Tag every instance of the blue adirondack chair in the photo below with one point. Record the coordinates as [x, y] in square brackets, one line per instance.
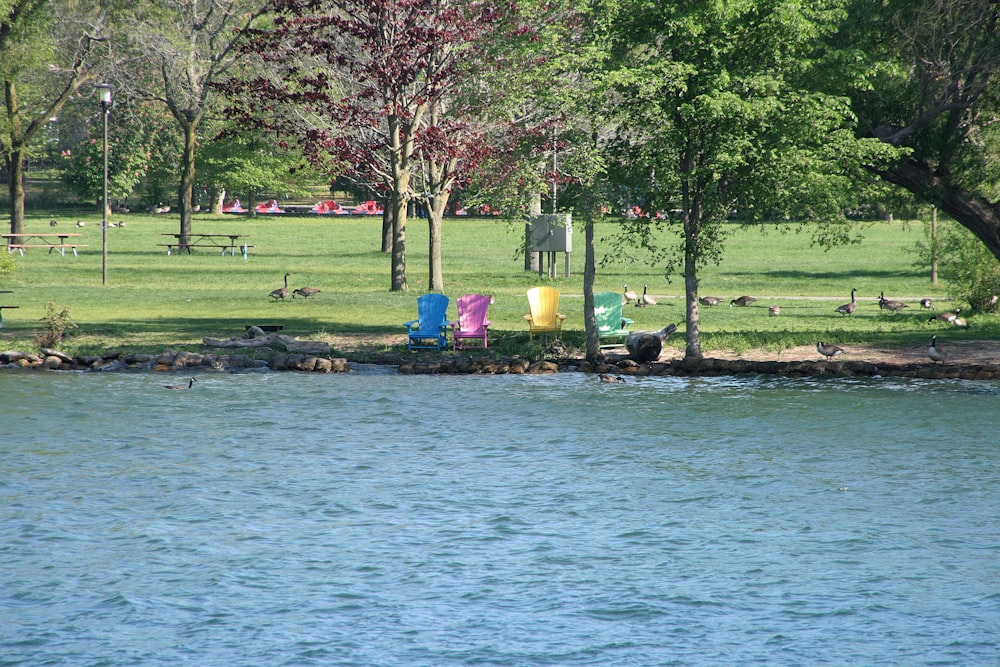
[612, 328]
[430, 330]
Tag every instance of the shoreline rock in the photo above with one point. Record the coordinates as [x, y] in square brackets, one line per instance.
[267, 358]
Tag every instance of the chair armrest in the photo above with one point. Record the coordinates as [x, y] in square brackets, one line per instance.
[626, 322]
[411, 323]
[560, 316]
[528, 317]
[486, 323]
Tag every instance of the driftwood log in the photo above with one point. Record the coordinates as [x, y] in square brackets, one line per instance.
[281, 341]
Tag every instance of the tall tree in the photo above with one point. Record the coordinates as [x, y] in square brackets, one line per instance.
[929, 86]
[190, 45]
[717, 116]
[46, 54]
[371, 88]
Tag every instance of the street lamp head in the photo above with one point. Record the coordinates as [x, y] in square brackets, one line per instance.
[104, 90]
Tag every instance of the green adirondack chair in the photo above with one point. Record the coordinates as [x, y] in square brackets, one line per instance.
[612, 328]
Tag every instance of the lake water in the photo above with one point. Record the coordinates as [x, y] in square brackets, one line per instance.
[375, 519]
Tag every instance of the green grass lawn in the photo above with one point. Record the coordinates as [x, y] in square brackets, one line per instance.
[153, 300]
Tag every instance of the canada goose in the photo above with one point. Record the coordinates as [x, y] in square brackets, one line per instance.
[960, 323]
[828, 351]
[305, 292]
[180, 386]
[848, 308]
[742, 301]
[646, 346]
[927, 303]
[773, 311]
[53, 223]
[610, 379]
[629, 295]
[946, 316]
[934, 352]
[890, 304]
[281, 292]
[81, 223]
[710, 300]
[645, 299]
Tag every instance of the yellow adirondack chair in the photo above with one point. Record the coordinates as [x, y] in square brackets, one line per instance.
[544, 318]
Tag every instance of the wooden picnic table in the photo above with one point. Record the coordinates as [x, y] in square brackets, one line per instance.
[5, 291]
[232, 243]
[51, 240]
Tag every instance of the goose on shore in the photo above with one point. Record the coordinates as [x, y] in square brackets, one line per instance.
[890, 304]
[281, 292]
[645, 299]
[180, 386]
[305, 292]
[646, 346]
[828, 351]
[710, 300]
[946, 316]
[848, 308]
[934, 352]
[629, 295]
[742, 301]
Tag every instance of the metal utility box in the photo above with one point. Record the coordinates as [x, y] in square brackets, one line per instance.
[552, 232]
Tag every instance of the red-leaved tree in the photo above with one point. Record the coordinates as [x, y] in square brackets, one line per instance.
[380, 91]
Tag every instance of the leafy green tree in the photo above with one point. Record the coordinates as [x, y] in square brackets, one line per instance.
[135, 134]
[182, 48]
[47, 50]
[718, 115]
[922, 75]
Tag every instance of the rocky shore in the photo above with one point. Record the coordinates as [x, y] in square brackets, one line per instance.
[320, 361]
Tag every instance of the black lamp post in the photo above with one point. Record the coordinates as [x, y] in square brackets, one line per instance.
[104, 90]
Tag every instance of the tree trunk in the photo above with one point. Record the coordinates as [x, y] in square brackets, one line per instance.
[386, 229]
[589, 272]
[435, 216]
[218, 199]
[976, 214]
[15, 169]
[691, 216]
[398, 244]
[189, 126]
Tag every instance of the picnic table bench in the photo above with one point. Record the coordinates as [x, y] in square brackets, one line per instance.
[53, 241]
[5, 291]
[223, 241]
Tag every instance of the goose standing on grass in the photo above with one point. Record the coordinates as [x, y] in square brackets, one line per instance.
[946, 316]
[710, 300]
[742, 301]
[281, 292]
[180, 386]
[890, 304]
[934, 352]
[927, 303]
[848, 308]
[645, 299]
[305, 292]
[960, 323]
[629, 295]
[828, 351]
[773, 311]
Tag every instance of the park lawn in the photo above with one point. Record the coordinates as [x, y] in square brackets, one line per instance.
[153, 300]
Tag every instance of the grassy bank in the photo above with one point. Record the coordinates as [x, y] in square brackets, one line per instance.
[153, 300]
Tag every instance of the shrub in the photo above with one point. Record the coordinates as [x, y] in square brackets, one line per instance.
[57, 323]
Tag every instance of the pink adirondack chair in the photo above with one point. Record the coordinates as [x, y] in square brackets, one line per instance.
[471, 322]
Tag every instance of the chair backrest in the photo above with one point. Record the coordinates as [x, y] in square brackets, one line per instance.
[472, 311]
[543, 302]
[608, 311]
[432, 311]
